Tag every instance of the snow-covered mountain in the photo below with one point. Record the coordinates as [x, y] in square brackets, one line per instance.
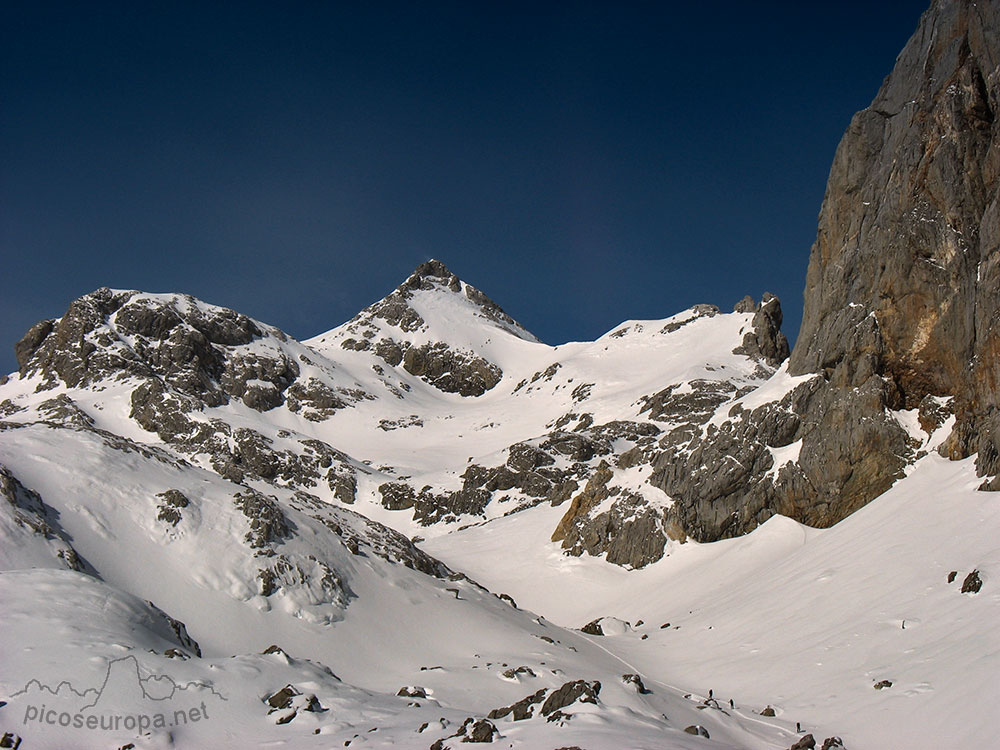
[185, 483]
[425, 527]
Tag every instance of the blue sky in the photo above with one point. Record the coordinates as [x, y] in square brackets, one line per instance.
[582, 163]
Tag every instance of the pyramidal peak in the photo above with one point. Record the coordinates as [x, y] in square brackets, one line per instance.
[432, 297]
[436, 327]
[432, 273]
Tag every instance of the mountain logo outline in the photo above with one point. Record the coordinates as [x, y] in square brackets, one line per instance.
[128, 667]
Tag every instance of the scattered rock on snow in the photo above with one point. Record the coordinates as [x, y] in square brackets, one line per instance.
[412, 691]
[511, 674]
[578, 690]
[509, 599]
[882, 684]
[697, 729]
[808, 742]
[972, 583]
[636, 680]
[472, 730]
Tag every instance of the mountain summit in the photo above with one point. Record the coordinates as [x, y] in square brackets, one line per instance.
[436, 327]
[454, 296]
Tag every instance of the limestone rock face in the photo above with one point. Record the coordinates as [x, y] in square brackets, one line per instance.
[765, 341]
[31, 528]
[902, 308]
[902, 295]
[197, 350]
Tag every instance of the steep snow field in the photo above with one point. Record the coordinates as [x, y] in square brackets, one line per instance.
[633, 360]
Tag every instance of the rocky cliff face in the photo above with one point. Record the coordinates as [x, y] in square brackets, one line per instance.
[903, 286]
[901, 307]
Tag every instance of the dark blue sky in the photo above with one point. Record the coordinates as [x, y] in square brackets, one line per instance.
[582, 163]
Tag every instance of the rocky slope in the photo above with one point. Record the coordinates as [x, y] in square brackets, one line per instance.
[368, 413]
[156, 448]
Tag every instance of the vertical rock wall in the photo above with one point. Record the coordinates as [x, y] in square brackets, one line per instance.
[903, 283]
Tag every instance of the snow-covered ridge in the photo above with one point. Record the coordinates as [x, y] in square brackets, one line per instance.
[414, 409]
[264, 491]
[231, 462]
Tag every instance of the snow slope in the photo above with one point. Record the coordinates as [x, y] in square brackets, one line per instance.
[241, 490]
[804, 620]
[402, 628]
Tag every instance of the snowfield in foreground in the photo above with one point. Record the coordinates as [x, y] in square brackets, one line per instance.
[807, 621]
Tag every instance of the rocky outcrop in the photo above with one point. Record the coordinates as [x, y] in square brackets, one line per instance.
[430, 507]
[552, 701]
[522, 709]
[972, 584]
[582, 691]
[636, 681]
[630, 531]
[178, 628]
[25, 519]
[450, 370]
[765, 341]
[171, 506]
[472, 730]
[268, 525]
[112, 334]
[184, 354]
